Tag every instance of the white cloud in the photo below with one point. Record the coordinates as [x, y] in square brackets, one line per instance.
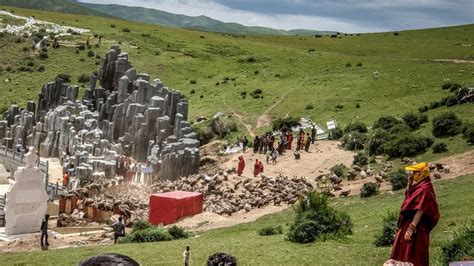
[248, 18]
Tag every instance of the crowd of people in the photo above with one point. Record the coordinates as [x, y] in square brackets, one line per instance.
[275, 144]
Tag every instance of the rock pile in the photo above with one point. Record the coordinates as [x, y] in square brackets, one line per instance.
[223, 196]
[125, 114]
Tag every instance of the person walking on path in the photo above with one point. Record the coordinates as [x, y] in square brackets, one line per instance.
[419, 214]
[307, 143]
[119, 229]
[240, 166]
[44, 231]
[313, 134]
[245, 142]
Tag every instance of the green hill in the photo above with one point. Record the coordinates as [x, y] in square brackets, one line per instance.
[204, 23]
[65, 6]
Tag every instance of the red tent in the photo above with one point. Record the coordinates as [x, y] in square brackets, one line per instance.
[167, 208]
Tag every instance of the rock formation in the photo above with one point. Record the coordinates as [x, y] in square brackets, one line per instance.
[122, 113]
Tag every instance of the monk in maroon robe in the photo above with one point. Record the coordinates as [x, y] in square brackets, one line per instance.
[419, 214]
[256, 168]
[241, 166]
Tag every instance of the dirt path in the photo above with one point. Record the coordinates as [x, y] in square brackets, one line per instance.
[247, 126]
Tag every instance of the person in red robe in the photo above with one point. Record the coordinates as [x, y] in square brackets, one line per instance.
[65, 179]
[256, 168]
[241, 166]
[260, 167]
[290, 140]
[419, 214]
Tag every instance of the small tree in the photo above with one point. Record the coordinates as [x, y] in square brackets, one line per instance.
[439, 147]
[389, 230]
[369, 189]
[398, 179]
[356, 126]
[386, 122]
[361, 159]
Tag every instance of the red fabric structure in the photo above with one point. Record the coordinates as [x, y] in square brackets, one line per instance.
[167, 208]
[420, 196]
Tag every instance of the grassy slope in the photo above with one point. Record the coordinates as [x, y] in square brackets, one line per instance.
[287, 71]
[66, 6]
[454, 197]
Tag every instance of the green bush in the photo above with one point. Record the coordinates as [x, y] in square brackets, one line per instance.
[451, 86]
[360, 159]
[400, 129]
[356, 126]
[389, 229]
[407, 145]
[125, 29]
[398, 179]
[451, 100]
[353, 140]
[446, 124]
[309, 107]
[64, 77]
[178, 232]
[287, 121]
[338, 169]
[315, 219]
[153, 234]
[335, 133]
[193, 81]
[257, 93]
[141, 224]
[369, 189]
[270, 230]
[375, 143]
[204, 132]
[468, 132]
[83, 78]
[414, 120]
[439, 147]
[43, 54]
[90, 53]
[221, 126]
[386, 122]
[460, 247]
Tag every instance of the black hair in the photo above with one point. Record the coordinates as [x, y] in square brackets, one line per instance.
[109, 259]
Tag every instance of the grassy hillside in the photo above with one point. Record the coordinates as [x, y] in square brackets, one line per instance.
[294, 73]
[454, 197]
[204, 23]
[66, 6]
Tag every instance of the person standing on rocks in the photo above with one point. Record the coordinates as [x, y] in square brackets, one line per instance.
[241, 166]
[119, 229]
[44, 231]
[419, 214]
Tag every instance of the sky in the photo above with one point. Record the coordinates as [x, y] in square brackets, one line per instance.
[348, 16]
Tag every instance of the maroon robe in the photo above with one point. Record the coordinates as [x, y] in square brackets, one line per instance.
[420, 196]
[241, 166]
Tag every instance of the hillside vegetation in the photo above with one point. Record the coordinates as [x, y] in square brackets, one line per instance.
[242, 241]
[66, 6]
[347, 78]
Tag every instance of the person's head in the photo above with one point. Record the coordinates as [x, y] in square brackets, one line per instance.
[120, 218]
[187, 248]
[241, 158]
[418, 172]
[109, 259]
[46, 217]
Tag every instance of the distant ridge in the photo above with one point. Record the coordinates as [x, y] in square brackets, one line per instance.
[64, 6]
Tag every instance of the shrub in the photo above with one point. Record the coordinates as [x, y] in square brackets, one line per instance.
[398, 179]
[204, 132]
[451, 100]
[219, 259]
[243, 94]
[439, 147]
[270, 230]
[112, 25]
[222, 126]
[193, 81]
[335, 133]
[468, 132]
[81, 46]
[309, 107]
[369, 189]
[386, 122]
[353, 140]
[356, 126]
[338, 169]
[423, 109]
[400, 129]
[257, 93]
[315, 219]
[83, 78]
[64, 77]
[375, 143]
[43, 54]
[30, 63]
[407, 145]
[141, 224]
[153, 234]
[125, 29]
[192, 91]
[422, 118]
[412, 120]
[289, 121]
[90, 53]
[359, 64]
[41, 68]
[451, 86]
[348, 64]
[178, 232]
[360, 159]
[389, 230]
[460, 247]
[446, 124]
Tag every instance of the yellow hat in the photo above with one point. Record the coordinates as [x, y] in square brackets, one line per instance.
[421, 171]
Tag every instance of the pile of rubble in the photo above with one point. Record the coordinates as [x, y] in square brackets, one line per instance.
[223, 196]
